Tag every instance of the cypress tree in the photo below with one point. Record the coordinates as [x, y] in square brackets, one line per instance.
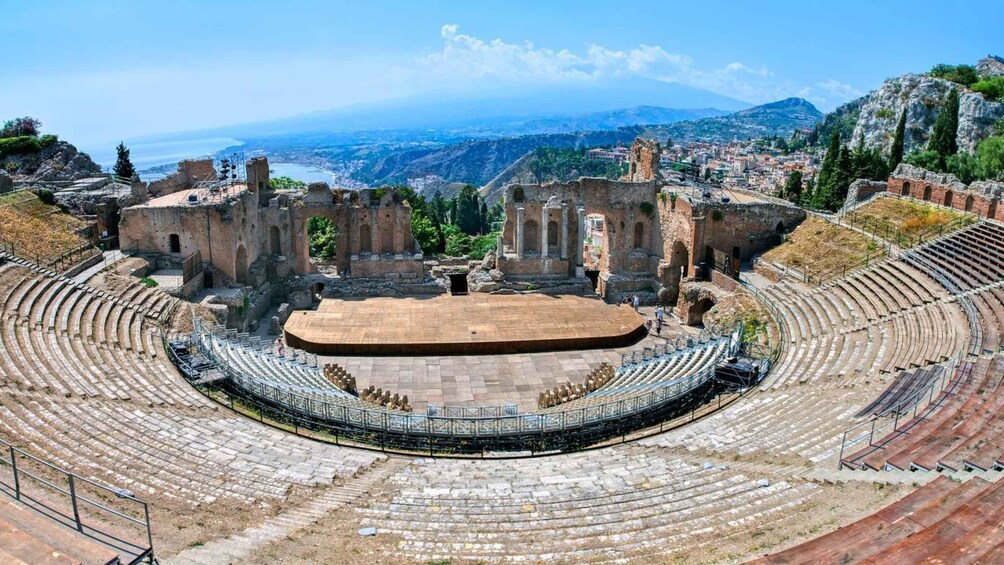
[123, 166]
[945, 129]
[896, 153]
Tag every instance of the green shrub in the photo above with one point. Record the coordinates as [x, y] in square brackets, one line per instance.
[47, 140]
[19, 145]
[884, 114]
[481, 245]
[962, 74]
[991, 87]
[46, 196]
[150, 283]
[646, 208]
[717, 216]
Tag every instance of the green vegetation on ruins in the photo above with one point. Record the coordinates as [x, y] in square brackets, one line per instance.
[818, 246]
[904, 222]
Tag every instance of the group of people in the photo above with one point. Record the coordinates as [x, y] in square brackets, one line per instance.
[660, 313]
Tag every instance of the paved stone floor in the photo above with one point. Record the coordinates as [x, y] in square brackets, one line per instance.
[479, 380]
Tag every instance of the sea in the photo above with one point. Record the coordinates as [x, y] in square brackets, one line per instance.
[155, 160]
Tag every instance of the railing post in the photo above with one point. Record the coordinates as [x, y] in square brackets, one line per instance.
[73, 501]
[149, 532]
[17, 479]
[840, 458]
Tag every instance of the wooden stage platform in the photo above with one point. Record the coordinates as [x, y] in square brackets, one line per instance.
[474, 324]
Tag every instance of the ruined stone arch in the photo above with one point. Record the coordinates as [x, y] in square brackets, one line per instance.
[949, 195]
[680, 256]
[531, 236]
[387, 238]
[174, 243]
[906, 188]
[927, 192]
[969, 203]
[552, 233]
[697, 310]
[639, 235]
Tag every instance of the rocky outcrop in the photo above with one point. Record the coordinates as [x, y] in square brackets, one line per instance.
[923, 98]
[991, 65]
[57, 162]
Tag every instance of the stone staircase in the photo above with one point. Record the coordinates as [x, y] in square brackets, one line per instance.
[235, 548]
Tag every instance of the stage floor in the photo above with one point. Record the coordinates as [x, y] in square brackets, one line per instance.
[462, 325]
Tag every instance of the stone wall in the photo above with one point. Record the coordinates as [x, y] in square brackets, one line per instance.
[861, 189]
[190, 171]
[643, 162]
[981, 198]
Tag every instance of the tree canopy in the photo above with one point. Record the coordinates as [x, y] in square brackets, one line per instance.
[123, 165]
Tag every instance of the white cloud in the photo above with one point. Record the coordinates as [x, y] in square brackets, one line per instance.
[464, 58]
[839, 89]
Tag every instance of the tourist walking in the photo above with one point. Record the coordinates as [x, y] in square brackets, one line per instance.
[635, 301]
[658, 327]
[659, 312]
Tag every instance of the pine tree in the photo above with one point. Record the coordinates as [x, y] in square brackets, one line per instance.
[827, 172]
[793, 186]
[945, 129]
[896, 153]
[123, 166]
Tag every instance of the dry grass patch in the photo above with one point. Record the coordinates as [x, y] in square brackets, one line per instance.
[818, 246]
[38, 231]
[903, 221]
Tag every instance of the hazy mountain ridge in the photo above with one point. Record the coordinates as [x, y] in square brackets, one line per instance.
[478, 162]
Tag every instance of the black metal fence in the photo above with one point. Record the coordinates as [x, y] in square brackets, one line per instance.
[570, 429]
[78, 503]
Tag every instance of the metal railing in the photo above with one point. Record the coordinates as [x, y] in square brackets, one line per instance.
[530, 431]
[905, 412]
[82, 496]
[923, 401]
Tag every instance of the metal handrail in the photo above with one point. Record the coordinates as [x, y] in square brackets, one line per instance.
[375, 419]
[137, 550]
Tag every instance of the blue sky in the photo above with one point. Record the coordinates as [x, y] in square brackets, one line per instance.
[104, 70]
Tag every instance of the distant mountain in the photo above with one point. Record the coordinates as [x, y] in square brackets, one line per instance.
[478, 162]
[776, 118]
[502, 111]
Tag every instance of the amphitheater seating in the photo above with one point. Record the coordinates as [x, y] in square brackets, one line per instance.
[903, 390]
[82, 385]
[964, 433]
[888, 316]
[574, 508]
[972, 261]
[941, 522]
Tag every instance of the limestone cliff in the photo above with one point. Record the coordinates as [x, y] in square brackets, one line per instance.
[58, 162]
[922, 97]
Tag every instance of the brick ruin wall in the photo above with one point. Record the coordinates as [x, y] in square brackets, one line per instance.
[982, 198]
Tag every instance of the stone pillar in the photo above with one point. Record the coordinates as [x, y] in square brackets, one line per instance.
[519, 232]
[563, 242]
[499, 251]
[375, 239]
[543, 233]
[581, 223]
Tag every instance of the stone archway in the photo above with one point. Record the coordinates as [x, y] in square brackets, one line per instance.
[697, 310]
[906, 189]
[927, 192]
[969, 203]
[639, 235]
[949, 196]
